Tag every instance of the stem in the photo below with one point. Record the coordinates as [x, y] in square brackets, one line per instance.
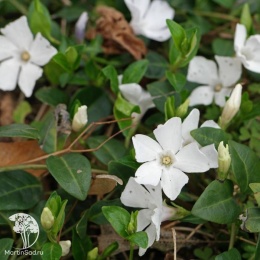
[20, 7]
[131, 254]
[232, 236]
[22, 167]
[216, 15]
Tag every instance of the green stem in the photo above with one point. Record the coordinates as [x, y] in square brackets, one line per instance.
[23, 167]
[216, 15]
[232, 236]
[20, 7]
[131, 254]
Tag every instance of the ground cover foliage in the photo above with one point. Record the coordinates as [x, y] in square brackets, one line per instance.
[130, 129]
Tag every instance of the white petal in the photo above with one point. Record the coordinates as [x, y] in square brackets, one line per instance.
[7, 48]
[137, 8]
[155, 195]
[144, 218]
[149, 173]
[41, 50]
[169, 134]
[202, 95]
[9, 71]
[146, 100]
[212, 155]
[220, 97]
[191, 159]
[203, 71]
[240, 37]
[210, 123]
[135, 195]
[159, 35]
[252, 66]
[80, 26]
[230, 70]
[27, 78]
[156, 219]
[146, 149]
[151, 233]
[131, 92]
[172, 182]
[190, 123]
[19, 33]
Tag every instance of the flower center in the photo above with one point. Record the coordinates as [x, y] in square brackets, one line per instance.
[218, 87]
[167, 159]
[25, 56]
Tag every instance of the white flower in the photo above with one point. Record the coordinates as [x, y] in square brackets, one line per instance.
[136, 95]
[166, 161]
[21, 56]
[191, 122]
[247, 50]
[65, 247]
[153, 212]
[231, 107]
[80, 119]
[81, 26]
[149, 18]
[216, 83]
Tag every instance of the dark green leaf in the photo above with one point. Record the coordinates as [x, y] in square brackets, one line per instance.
[225, 3]
[109, 250]
[118, 217]
[208, 135]
[245, 165]
[177, 32]
[232, 254]
[51, 251]
[72, 172]
[217, 204]
[223, 47]
[5, 245]
[177, 80]
[111, 74]
[80, 246]
[18, 190]
[139, 238]
[81, 227]
[19, 130]
[252, 222]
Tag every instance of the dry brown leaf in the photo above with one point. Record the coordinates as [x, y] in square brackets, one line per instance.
[7, 106]
[117, 34]
[18, 152]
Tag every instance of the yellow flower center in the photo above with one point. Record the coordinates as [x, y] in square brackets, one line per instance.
[166, 160]
[218, 87]
[25, 56]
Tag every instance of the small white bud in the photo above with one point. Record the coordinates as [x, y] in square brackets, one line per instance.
[80, 119]
[231, 107]
[81, 26]
[65, 247]
[224, 161]
[47, 219]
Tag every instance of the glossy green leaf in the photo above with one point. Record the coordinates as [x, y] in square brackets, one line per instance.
[5, 245]
[139, 238]
[110, 72]
[177, 32]
[81, 227]
[52, 96]
[252, 222]
[72, 172]
[135, 72]
[223, 47]
[18, 190]
[21, 111]
[217, 204]
[51, 251]
[80, 246]
[255, 187]
[118, 217]
[177, 80]
[245, 165]
[19, 130]
[169, 108]
[111, 150]
[229, 255]
[109, 250]
[208, 135]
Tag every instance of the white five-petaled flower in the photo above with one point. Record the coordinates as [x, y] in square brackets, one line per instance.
[21, 56]
[247, 50]
[81, 26]
[149, 18]
[153, 211]
[191, 122]
[216, 83]
[166, 160]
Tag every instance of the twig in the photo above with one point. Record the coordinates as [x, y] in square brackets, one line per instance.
[174, 244]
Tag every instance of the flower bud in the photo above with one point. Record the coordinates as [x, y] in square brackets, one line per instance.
[231, 107]
[47, 219]
[183, 109]
[224, 161]
[81, 26]
[93, 254]
[65, 247]
[80, 119]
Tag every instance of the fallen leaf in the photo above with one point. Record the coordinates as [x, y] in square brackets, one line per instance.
[117, 33]
[7, 106]
[14, 153]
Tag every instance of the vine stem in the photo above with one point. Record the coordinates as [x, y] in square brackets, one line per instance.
[131, 254]
[232, 236]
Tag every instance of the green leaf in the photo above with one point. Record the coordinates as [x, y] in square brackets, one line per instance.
[19, 130]
[51, 251]
[72, 172]
[223, 47]
[252, 222]
[5, 245]
[118, 217]
[246, 18]
[110, 72]
[229, 255]
[157, 65]
[225, 3]
[109, 250]
[255, 187]
[52, 96]
[245, 165]
[111, 150]
[81, 227]
[61, 60]
[18, 190]
[177, 80]
[80, 246]
[135, 72]
[139, 238]
[21, 111]
[177, 32]
[208, 135]
[169, 108]
[217, 204]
